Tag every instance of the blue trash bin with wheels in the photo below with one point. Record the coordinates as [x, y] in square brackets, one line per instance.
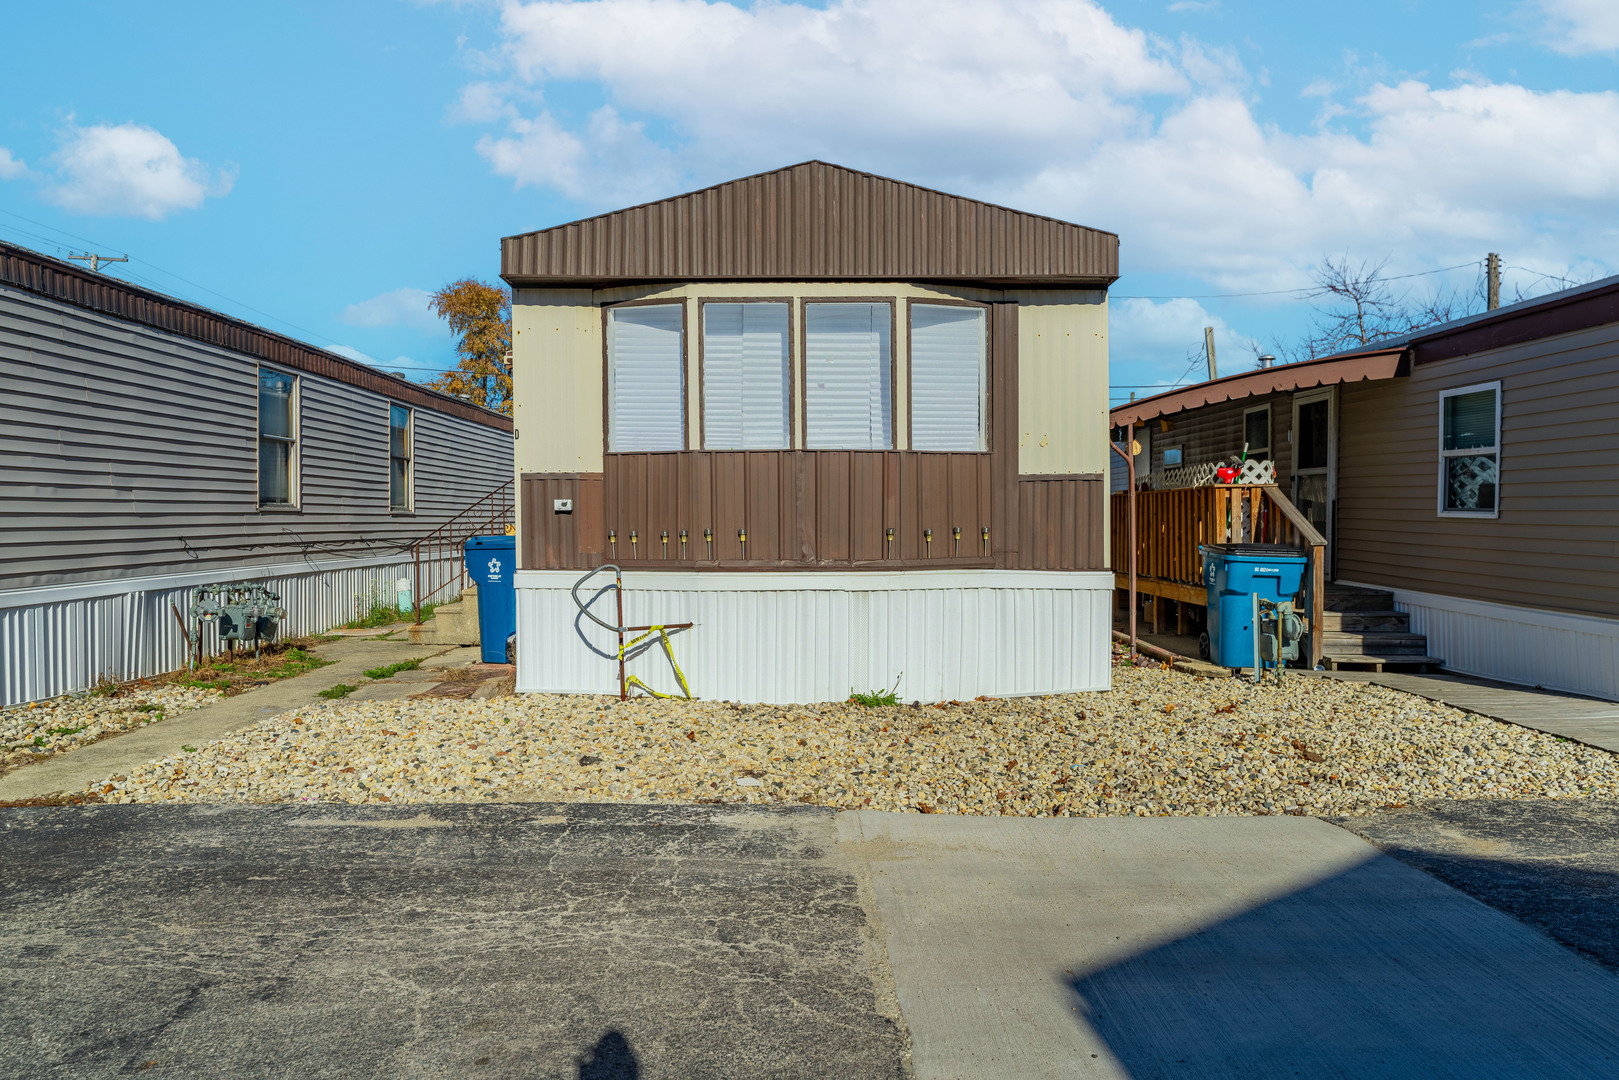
[490, 563]
[1234, 573]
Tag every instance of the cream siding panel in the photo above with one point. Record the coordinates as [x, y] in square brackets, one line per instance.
[557, 382]
[1062, 381]
[1555, 545]
[812, 637]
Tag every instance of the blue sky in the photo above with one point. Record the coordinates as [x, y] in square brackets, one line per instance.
[318, 167]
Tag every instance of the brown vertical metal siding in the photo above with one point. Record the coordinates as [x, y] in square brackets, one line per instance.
[810, 222]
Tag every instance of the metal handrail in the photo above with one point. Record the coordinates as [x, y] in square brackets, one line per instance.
[483, 517]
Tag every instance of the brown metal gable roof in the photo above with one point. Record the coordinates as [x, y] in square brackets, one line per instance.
[1381, 364]
[813, 222]
[45, 276]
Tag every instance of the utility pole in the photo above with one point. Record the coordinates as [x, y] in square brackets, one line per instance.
[1492, 275]
[1208, 349]
[96, 261]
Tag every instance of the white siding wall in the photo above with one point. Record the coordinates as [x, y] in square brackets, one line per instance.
[803, 637]
[1551, 649]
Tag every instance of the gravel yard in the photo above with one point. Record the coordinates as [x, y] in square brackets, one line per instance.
[1160, 742]
[33, 732]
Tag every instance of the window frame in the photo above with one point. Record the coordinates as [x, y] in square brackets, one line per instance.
[410, 459]
[295, 442]
[685, 367]
[1471, 451]
[1270, 429]
[801, 374]
[793, 442]
[910, 375]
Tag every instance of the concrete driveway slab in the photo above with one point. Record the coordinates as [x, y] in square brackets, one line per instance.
[1227, 947]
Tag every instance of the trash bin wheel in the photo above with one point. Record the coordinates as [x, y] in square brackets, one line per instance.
[1203, 646]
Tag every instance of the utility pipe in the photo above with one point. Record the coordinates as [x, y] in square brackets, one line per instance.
[1130, 469]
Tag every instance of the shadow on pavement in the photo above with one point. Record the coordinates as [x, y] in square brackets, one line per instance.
[610, 1059]
[1357, 975]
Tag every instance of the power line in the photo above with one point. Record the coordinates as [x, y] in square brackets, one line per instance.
[1283, 292]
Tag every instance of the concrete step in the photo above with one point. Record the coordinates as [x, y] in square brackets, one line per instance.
[1359, 621]
[452, 624]
[1374, 643]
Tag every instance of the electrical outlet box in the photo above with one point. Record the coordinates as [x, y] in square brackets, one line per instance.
[562, 506]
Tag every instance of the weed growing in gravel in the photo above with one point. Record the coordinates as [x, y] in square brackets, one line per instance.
[105, 687]
[340, 690]
[877, 699]
[188, 748]
[295, 661]
[393, 669]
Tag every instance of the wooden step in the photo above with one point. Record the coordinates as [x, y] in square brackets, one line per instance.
[1396, 621]
[1354, 598]
[1356, 661]
[1374, 643]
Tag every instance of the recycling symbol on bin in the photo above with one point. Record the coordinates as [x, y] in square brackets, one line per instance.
[494, 568]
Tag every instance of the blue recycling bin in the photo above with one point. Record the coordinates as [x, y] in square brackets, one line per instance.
[490, 563]
[1233, 573]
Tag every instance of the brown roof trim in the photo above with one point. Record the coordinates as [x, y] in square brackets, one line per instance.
[814, 221]
[1375, 364]
[77, 285]
[1559, 314]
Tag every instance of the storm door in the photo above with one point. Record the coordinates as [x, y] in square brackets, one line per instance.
[1315, 454]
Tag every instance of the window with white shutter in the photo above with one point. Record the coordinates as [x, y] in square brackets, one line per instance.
[646, 400]
[848, 382]
[947, 377]
[745, 376]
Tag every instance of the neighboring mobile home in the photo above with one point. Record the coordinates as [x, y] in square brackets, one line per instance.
[1469, 471]
[853, 428]
[148, 446]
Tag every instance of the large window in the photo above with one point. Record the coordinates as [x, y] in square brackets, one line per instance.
[745, 376]
[848, 376]
[1470, 451]
[278, 438]
[947, 377]
[646, 383]
[399, 454]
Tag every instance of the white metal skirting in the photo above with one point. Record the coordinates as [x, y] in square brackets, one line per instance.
[1558, 651]
[815, 636]
[57, 639]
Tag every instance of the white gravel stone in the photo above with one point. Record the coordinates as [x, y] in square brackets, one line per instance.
[35, 731]
[1159, 743]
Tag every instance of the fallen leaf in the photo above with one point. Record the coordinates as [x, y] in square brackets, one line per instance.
[925, 808]
[692, 735]
[589, 759]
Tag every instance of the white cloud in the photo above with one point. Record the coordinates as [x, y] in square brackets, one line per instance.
[353, 354]
[1161, 341]
[11, 168]
[129, 169]
[1576, 27]
[1054, 106]
[401, 307]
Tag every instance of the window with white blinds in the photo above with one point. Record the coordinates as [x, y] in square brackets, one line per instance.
[848, 383]
[646, 402]
[947, 377]
[745, 376]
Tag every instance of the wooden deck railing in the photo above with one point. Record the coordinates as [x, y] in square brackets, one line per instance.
[1172, 524]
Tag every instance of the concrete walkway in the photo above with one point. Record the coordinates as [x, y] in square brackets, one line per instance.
[617, 940]
[1588, 720]
[73, 770]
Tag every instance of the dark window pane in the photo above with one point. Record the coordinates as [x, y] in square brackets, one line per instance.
[1256, 431]
[275, 472]
[1310, 440]
[275, 404]
[1470, 482]
[399, 485]
[1470, 420]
